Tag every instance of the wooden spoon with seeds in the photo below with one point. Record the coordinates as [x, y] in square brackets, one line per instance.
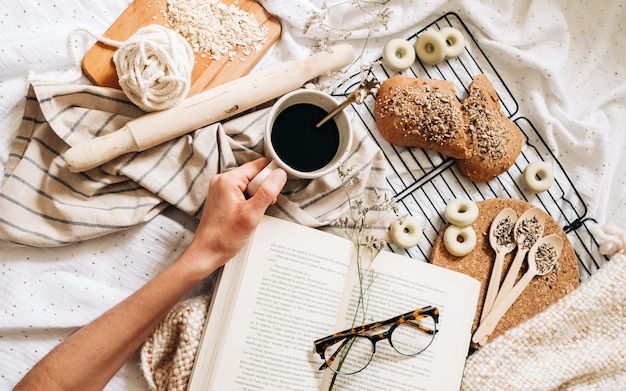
[542, 258]
[528, 229]
[502, 241]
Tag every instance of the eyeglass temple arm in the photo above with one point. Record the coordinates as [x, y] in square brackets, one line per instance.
[423, 329]
[328, 361]
[323, 342]
[415, 314]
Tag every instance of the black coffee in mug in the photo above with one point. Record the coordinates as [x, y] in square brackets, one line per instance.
[299, 143]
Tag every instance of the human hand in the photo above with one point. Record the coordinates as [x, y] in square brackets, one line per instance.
[229, 219]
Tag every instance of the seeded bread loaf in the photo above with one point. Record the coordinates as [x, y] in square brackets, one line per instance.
[425, 113]
[422, 113]
[495, 141]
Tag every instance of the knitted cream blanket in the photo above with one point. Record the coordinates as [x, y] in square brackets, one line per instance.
[579, 343]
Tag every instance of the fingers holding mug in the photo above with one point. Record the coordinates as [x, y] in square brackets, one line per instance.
[295, 144]
[258, 179]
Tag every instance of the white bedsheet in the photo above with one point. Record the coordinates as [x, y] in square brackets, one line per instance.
[564, 62]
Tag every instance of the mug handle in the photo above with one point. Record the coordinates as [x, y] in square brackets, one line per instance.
[256, 182]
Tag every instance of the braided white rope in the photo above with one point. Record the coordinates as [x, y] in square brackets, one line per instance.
[154, 67]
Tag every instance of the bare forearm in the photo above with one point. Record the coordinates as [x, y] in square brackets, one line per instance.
[89, 358]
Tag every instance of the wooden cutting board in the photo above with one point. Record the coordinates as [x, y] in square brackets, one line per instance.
[98, 61]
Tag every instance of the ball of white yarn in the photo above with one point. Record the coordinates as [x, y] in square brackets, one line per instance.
[154, 68]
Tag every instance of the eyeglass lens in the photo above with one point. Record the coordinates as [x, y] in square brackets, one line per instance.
[353, 354]
[413, 337]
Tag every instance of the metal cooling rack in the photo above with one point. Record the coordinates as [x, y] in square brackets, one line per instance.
[423, 182]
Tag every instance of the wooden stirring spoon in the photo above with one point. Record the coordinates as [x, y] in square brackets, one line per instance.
[502, 241]
[542, 258]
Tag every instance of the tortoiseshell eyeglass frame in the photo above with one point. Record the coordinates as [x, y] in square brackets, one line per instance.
[323, 343]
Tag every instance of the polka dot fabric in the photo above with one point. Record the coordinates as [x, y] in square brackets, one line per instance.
[47, 294]
[562, 62]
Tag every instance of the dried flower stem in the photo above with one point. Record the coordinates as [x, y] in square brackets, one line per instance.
[366, 245]
[375, 15]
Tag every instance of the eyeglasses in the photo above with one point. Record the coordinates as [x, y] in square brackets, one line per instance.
[350, 351]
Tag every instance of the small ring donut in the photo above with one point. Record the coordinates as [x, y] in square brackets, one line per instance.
[398, 54]
[455, 41]
[431, 47]
[459, 241]
[406, 232]
[461, 212]
[539, 176]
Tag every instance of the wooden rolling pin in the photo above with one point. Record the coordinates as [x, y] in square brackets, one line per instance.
[206, 108]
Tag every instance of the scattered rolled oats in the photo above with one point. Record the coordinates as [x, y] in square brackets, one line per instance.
[215, 29]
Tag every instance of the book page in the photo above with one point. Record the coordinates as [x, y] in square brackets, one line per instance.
[400, 285]
[288, 297]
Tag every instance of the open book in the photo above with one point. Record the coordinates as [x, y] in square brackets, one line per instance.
[292, 285]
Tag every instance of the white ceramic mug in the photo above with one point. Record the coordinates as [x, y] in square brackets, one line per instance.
[305, 146]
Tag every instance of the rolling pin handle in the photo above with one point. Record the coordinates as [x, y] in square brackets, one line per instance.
[97, 151]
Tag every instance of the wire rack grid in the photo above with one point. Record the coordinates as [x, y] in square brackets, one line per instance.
[423, 182]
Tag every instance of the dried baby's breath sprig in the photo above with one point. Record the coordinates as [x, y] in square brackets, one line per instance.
[363, 213]
[356, 225]
[375, 15]
[337, 79]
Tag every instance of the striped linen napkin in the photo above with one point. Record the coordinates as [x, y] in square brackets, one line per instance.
[42, 204]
